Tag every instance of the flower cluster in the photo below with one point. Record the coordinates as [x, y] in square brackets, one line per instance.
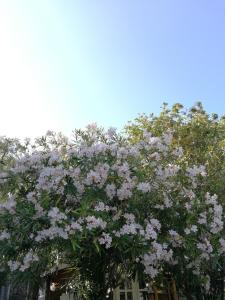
[143, 196]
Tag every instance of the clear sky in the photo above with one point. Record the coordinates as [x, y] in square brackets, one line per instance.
[67, 63]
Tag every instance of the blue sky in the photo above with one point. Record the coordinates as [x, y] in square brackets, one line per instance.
[64, 64]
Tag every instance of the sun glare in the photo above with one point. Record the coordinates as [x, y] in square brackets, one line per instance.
[24, 107]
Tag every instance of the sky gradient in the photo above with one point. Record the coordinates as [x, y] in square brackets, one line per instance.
[64, 64]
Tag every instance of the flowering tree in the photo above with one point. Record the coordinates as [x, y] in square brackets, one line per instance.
[202, 140]
[107, 206]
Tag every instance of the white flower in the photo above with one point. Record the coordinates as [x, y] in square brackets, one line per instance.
[4, 235]
[178, 152]
[144, 187]
[202, 218]
[101, 207]
[51, 233]
[211, 199]
[28, 259]
[110, 190]
[205, 246]
[175, 238]
[187, 230]
[106, 240]
[9, 205]
[93, 222]
[196, 170]
[129, 217]
[194, 228]
[13, 265]
[125, 191]
[222, 244]
[55, 215]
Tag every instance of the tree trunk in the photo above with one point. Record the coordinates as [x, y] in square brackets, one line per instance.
[174, 290]
[169, 292]
[155, 293]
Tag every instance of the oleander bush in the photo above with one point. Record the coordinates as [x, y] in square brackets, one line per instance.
[149, 200]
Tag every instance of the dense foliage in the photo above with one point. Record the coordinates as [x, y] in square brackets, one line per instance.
[150, 201]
